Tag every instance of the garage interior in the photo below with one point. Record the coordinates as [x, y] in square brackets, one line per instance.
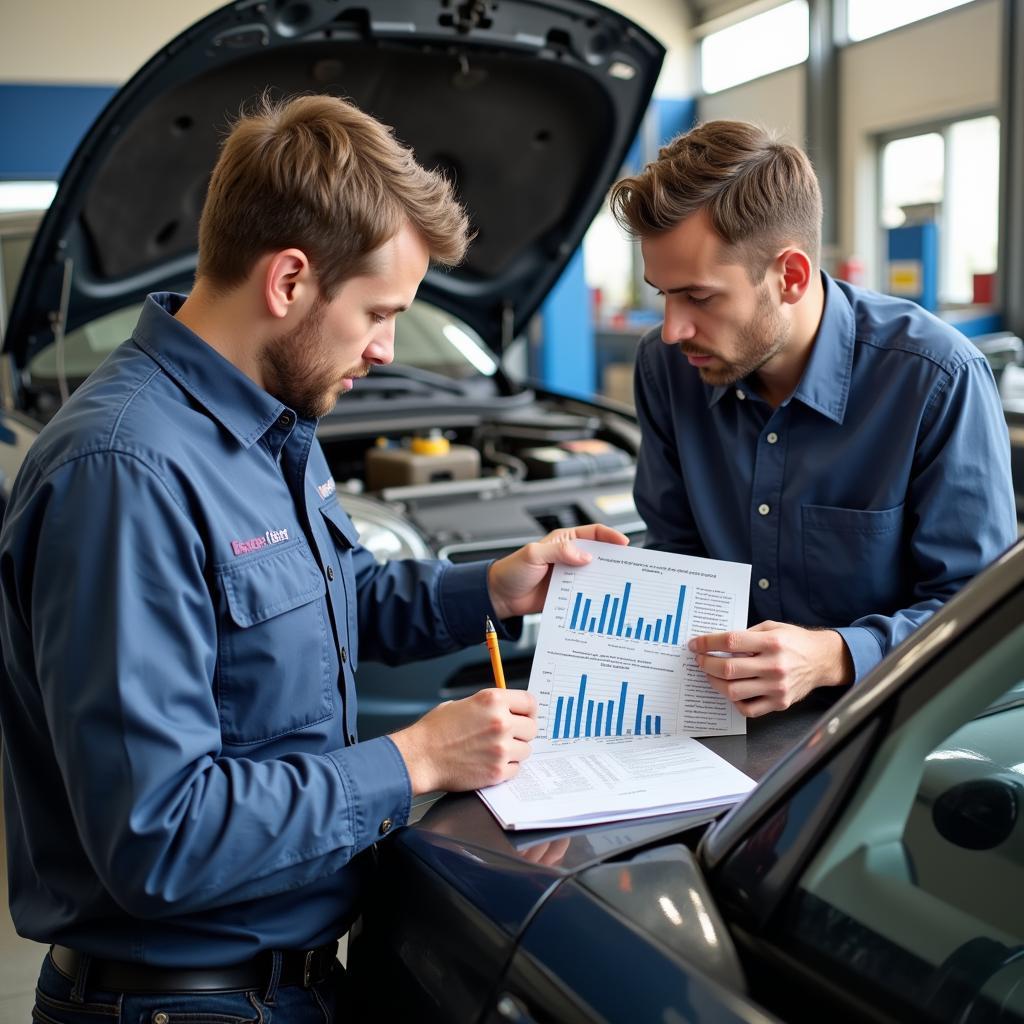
[914, 123]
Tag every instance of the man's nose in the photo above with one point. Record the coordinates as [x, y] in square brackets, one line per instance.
[676, 327]
[381, 349]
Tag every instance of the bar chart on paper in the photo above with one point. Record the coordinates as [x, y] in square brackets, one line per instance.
[592, 705]
[644, 612]
[612, 661]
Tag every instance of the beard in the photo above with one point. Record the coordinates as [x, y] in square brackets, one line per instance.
[297, 368]
[761, 338]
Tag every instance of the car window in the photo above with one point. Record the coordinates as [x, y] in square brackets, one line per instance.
[425, 336]
[87, 346]
[14, 249]
[919, 891]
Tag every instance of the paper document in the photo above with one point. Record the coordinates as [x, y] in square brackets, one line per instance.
[608, 780]
[611, 657]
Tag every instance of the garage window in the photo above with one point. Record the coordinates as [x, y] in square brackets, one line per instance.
[755, 46]
[949, 175]
[866, 18]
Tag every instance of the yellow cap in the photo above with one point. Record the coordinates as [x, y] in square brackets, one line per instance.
[430, 445]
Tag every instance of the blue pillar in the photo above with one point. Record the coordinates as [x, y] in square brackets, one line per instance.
[567, 358]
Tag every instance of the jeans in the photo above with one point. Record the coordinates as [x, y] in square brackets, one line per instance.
[322, 1004]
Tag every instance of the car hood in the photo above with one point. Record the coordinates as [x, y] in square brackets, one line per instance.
[529, 106]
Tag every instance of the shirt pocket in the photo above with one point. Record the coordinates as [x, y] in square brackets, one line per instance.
[853, 562]
[273, 663]
[345, 537]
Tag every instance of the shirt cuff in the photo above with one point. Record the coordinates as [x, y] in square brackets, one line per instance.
[864, 649]
[377, 783]
[465, 600]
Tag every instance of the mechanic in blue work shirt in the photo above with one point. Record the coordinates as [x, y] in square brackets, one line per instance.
[849, 445]
[184, 603]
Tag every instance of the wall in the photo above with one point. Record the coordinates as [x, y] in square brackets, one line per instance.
[97, 42]
[775, 101]
[938, 69]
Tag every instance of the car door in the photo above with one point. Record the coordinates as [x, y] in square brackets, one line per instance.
[909, 905]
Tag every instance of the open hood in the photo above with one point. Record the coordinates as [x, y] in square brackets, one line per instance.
[529, 106]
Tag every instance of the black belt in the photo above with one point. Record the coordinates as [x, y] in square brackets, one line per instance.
[304, 967]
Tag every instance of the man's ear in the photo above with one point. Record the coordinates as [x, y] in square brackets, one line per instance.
[288, 282]
[795, 270]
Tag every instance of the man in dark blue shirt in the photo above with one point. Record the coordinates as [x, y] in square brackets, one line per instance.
[849, 445]
[184, 604]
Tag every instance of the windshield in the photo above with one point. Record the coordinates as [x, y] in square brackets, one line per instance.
[425, 337]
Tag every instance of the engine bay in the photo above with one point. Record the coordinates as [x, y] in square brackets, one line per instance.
[480, 482]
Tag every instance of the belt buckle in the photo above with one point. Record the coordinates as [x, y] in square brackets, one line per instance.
[307, 970]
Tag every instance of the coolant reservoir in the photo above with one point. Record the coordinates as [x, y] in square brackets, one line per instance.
[424, 459]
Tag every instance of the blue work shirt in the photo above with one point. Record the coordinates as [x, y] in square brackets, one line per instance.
[864, 501]
[184, 606]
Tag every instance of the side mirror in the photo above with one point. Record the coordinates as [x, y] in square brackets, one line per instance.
[977, 815]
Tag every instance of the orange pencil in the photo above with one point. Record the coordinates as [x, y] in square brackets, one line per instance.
[491, 636]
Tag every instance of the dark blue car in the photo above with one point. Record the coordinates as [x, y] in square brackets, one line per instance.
[875, 875]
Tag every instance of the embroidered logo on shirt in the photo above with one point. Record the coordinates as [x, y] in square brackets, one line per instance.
[246, 547]
[327, 488]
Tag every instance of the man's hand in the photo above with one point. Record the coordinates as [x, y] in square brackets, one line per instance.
[518, 583]
[466, 744]
[783, 664]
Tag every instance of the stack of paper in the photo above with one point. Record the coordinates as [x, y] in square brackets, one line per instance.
[619, 694]
[589, 781]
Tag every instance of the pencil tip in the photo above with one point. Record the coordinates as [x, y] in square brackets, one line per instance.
[488, 626]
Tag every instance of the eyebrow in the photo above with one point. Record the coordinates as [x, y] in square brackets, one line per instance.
[682, 288]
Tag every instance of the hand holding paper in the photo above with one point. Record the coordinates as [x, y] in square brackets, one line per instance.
[518, 583]
[620, 694]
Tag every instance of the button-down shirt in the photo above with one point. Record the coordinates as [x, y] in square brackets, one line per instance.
[863, 501]
[184, 604]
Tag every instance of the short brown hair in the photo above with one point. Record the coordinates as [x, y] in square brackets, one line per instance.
[318, 174]
[759, 193]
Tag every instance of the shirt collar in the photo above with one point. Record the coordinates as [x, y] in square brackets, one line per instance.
[825, 384]
[227, 394]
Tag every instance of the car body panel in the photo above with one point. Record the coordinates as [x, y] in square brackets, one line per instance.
[609, 927]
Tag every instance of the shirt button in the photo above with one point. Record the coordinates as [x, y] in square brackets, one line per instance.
[764, 509]
[285, 420]
[763, 583]
[772, 437]
[740, 394]
[344, 655]
[330, 572]
[160, 1017]
[385, 826]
